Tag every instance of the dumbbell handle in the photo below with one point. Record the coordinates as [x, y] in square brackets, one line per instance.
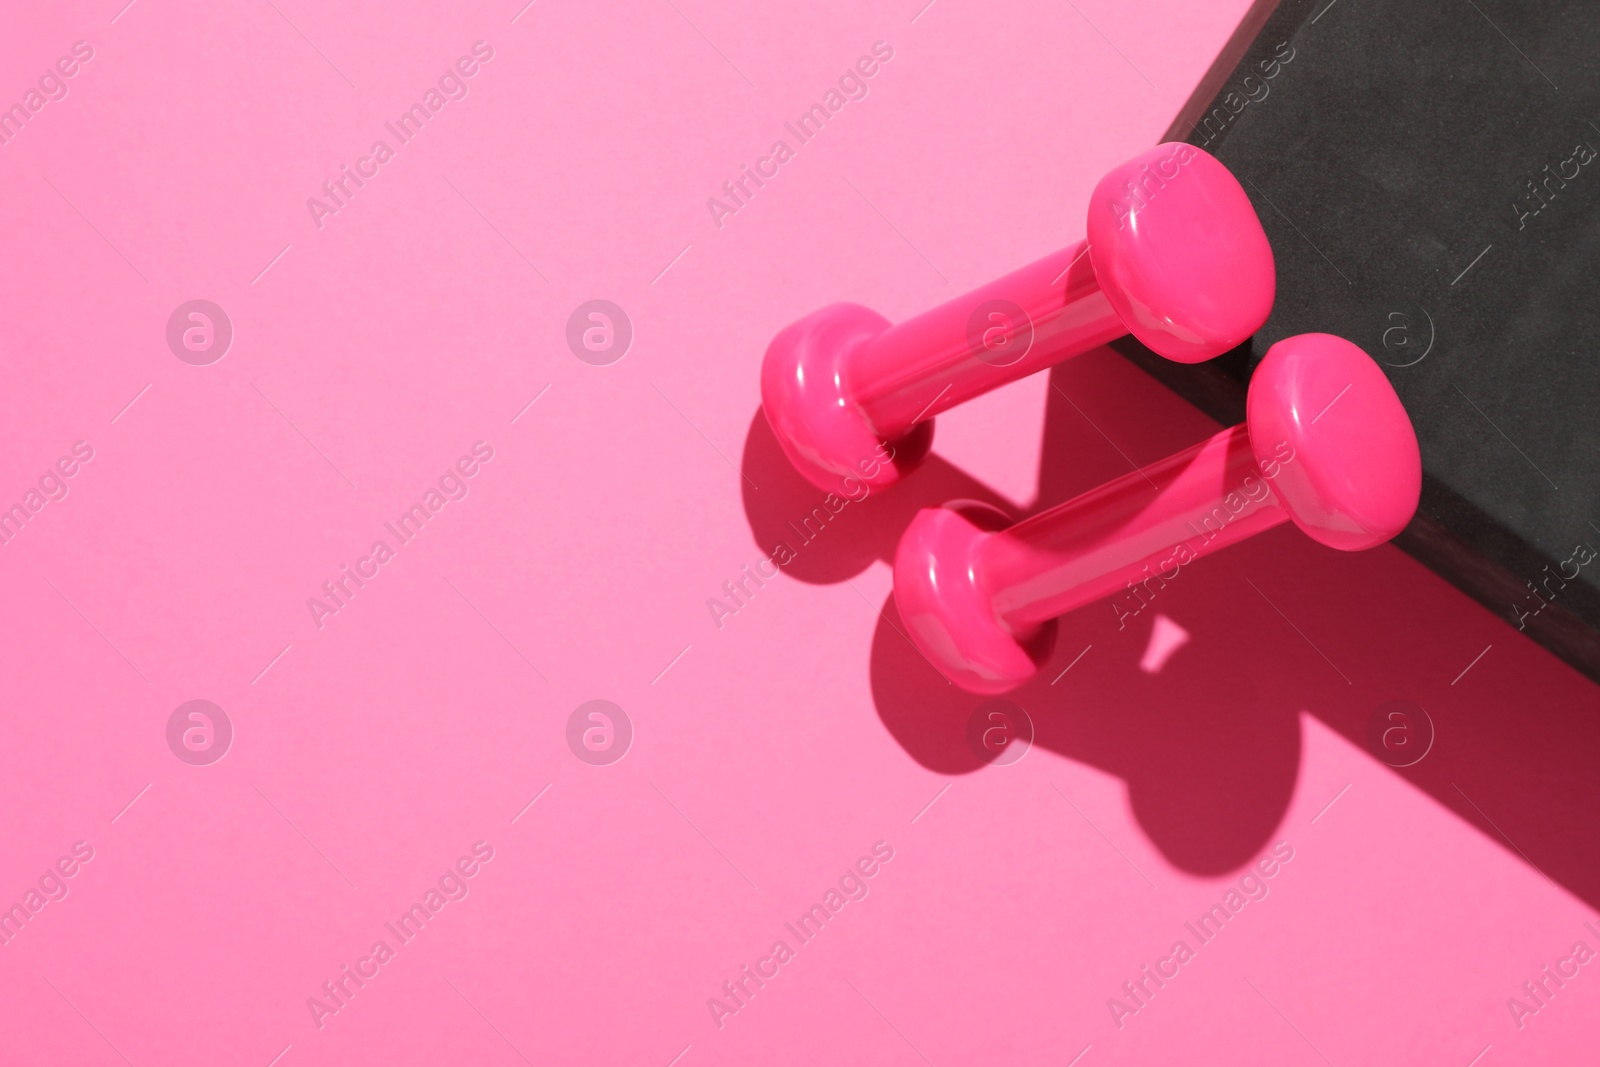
[928, 364]
[1128, 530]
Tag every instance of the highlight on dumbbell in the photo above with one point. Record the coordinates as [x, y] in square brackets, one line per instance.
[1326, 443]
[1174, 255]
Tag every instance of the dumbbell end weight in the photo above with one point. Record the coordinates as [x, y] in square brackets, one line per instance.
[1354, 476]
[942, 598]
[825, 434]
[1180, 253]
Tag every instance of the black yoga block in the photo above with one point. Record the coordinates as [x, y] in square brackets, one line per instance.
[1428, 172]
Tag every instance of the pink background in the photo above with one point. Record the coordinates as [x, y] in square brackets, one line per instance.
[370, 754]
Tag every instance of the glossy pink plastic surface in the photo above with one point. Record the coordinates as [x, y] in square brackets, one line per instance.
[1180, 252]
[823, 431]
[931, 363]
[1184, 265]
[978, 602]
[1357, 472]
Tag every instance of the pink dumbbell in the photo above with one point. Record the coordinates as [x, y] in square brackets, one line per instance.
[1176, 256]
[1325, 443]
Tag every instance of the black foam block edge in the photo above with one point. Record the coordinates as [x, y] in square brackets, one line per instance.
[1449, 535]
